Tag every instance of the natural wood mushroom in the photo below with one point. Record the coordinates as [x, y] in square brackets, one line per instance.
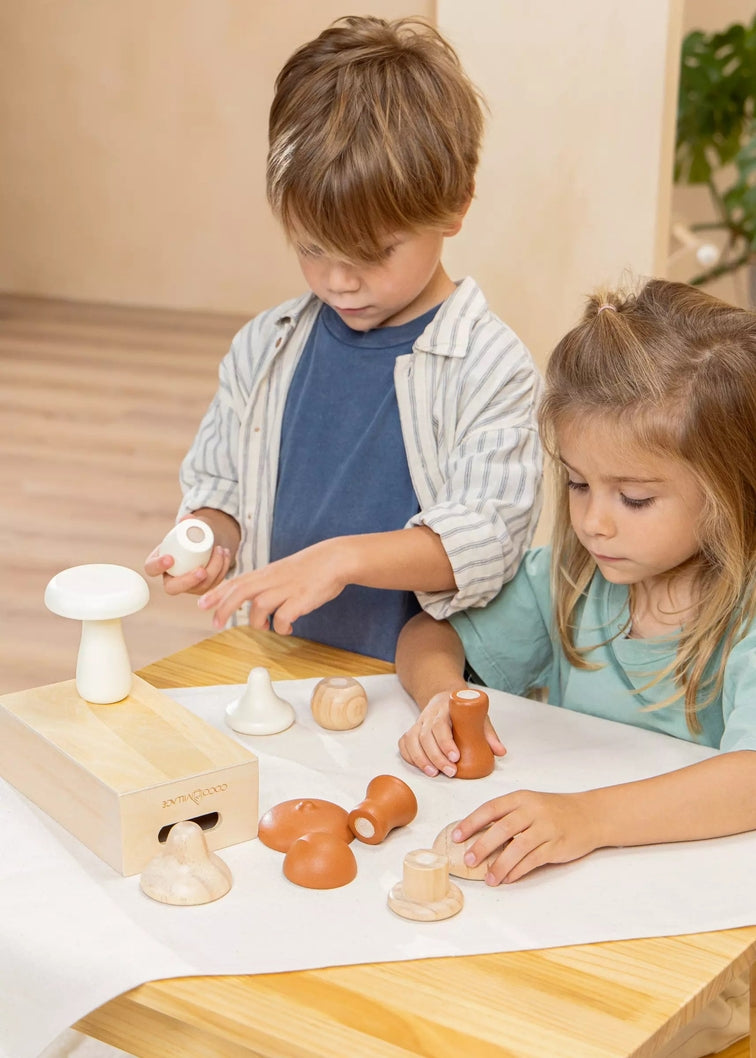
[425, 893]
[185, 872]
[339, 703]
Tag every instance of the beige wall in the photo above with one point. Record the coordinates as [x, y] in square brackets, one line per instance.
[133, 146]
[575, 182]
[133, 141]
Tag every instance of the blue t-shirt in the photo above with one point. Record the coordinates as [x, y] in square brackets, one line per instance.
[343, 470]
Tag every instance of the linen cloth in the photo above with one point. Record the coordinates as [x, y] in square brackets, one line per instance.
[74, 933]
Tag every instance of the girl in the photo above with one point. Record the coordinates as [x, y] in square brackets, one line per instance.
[643, 608]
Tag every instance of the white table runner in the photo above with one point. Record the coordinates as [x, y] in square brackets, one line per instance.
[74, 933]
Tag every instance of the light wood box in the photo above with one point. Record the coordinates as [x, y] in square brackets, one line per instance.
[118, 776]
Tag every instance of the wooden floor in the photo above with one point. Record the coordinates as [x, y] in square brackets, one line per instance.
[97, 406]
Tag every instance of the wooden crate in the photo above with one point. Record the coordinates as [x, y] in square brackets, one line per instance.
[118, 776]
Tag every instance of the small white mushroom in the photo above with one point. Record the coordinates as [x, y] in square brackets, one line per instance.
[99, 595]
[259, 710]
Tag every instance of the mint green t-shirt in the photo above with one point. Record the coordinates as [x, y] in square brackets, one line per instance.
[510, 646]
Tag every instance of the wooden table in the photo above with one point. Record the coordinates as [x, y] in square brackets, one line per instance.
[620, 999]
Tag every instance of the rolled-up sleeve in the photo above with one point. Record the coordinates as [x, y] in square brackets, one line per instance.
[478, 461]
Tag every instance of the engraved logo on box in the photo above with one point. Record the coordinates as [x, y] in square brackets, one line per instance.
[195, 796]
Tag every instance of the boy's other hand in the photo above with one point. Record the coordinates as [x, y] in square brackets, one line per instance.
[196, 581]
[429, 743]
[283, 590]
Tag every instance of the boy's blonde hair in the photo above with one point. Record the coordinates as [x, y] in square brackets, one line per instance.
[374, 129]
[673, 370]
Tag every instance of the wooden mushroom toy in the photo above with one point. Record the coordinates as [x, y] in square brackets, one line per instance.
[455, 852]
[468, 709]
[339, 703]
[389, 802]
[259, 710]
[190, 543]
[281, 825]
[320, 861]
[185, 872]
[425, 893]
[99, 595]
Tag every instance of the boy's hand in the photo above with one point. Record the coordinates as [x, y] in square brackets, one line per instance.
[284, 590]
[531, 829]
[196, 581]
[429, 743]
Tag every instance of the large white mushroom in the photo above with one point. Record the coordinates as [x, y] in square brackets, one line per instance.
[99, 595]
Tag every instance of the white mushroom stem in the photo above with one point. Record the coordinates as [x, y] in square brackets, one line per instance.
[103, 669]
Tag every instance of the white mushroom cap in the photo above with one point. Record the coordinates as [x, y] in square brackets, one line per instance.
[97, 592]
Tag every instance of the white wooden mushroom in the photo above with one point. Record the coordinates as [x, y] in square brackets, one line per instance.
[259, 710]
[99, 595]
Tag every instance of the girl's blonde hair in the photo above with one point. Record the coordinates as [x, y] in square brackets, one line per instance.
[374, 129]
[674, 371]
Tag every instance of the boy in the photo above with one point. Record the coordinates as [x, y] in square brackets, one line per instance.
[375, 438]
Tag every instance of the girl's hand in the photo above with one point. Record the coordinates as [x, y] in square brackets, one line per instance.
[196, 581]
[284, 590]
[531, 829]
[429, 743]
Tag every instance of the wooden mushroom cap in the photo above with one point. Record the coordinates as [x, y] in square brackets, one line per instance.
[320, 861]
[289, 820]
[339, 703]
[96, 592]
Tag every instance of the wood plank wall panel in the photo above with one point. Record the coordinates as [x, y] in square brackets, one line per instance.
[97, 406]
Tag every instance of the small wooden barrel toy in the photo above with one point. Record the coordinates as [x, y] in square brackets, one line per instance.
[425, 893]
[389, 803]
[339, 703]
[468, 709]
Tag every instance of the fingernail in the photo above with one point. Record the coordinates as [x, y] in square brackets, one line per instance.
[430, 770]
[469, 859]
[456, 834]
[490, 879]
[454, 755]
[450, 770]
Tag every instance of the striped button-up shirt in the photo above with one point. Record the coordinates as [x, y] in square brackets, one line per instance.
[467, 397]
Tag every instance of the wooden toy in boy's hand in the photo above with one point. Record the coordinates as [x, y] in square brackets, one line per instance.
[455, 851]
[339, 703]
[99, 595]
[389, 803]
[185, 872]
[425, 893]
[468, 709]
[259, 710]
[190, 543]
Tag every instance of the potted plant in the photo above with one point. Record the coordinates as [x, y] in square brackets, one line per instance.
[716, 138]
